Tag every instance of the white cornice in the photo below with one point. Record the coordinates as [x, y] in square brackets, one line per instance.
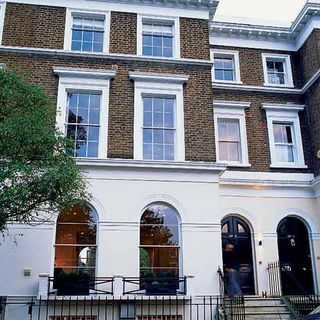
[239, 87]
[158, 77]
[104, 56]
[282, 107]
[152, 165]
[84, 73]
[231, 104]
[278, 37]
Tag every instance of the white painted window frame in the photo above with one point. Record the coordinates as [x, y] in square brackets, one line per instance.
[155, 18]
[232, 110]
[71, 80]
[2, 17]
[71, 12]
[287, 68]
[162, 85]
[287, 114]
[227, 53]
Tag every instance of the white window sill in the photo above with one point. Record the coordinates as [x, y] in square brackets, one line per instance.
[279, 85]
[288, 166]
[235, 164]
[227, 82]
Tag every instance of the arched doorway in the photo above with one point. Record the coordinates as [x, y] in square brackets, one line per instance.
[294, 257]
[160, 249]
[75, 250]
[236, 231]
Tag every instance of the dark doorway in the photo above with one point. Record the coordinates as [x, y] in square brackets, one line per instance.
[295, 257]
[234, 230]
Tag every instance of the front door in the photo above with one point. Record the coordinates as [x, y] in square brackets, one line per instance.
[295, 257]
[236, 231]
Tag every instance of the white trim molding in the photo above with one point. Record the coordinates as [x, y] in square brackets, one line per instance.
[174, 21]
[84, 73]
[158, 77]
[232, 110]
[236, 63]
[286, 60]
[2, 16]
[162, 85]
[74, 12]
[97, 81]
[287, 114]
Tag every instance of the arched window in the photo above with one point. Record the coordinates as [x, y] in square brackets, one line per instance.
[159, 241]
[75, 246]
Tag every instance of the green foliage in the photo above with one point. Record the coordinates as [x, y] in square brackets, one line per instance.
[37, 175]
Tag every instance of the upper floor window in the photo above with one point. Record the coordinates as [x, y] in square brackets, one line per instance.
[87, 31]
[83, 109]
[230, 132]
[159, 128]
[277, 70]
[158, 116]
[226, 66]
[284, 131]
[83, 122]
[87, 34]
[158, 37]
[229, 140]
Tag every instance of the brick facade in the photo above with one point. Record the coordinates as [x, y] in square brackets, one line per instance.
[123, 33]
[194, 38]
[251, 67]
[43, 27]
[34, 26]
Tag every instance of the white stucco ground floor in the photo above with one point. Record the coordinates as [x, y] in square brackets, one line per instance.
[251, 208]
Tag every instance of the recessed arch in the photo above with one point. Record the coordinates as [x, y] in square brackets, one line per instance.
[293, 237]
[160, 242]
[75, 244]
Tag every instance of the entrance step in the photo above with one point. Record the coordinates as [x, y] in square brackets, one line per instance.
[257, 308]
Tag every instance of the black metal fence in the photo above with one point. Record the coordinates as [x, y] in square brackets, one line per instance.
[104, 308]
[274, 277]
[2, 307]
[231, 307]
[155, 286]
[302, 304]
[98, 285]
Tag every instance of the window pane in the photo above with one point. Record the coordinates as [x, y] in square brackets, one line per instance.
[158, 152]
[284, 153]
[228, 75]
[282, 133]
[224, 68]
[147, 135]
[169, 152]
[147, 151]
[218, 75]
[92, 149]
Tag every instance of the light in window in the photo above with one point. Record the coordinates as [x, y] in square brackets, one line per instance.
[225, 228]
[157, 39]
[158, 128]
[283, 141]
[87, 34]
[276, 72]
[229, 140]
[83, 123]
[224, 68]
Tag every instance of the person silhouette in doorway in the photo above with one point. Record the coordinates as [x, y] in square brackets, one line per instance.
[232, 271]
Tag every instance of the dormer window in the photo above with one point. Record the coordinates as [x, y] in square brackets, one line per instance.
[277, 70]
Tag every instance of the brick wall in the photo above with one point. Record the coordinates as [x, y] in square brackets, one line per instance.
[251, 67]
[256, 125]
[28, 25]
[123, 33]
[309, 55]
[199, 138]
[194, 38]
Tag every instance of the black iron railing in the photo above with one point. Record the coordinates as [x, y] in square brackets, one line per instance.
[2, 307]
[299, 304]
[133, 308]
[81, 287]
[155, 285]
[231, 307]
